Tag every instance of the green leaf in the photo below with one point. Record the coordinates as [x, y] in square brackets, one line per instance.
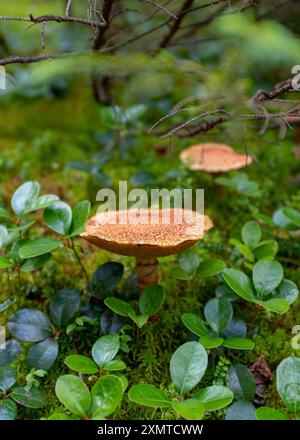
[293, 216]
[151, 300]
[149, 395]
[23, 196]
[276, 305]
[8, 409]
[39, 246]
[190, 409]
[40, 202]
[188, 260]
[64, 305]
[106, 395]
[30, 325]
[5, 263]
[251, 234]
[243, 249]
[267, 275]
[73, 393]
[188, 365]
[265, 413]
[239, 283]
[209, 268]
[4, 236]
[81, 364]
[210, 342]
[58, 217]
[105, 349]
[106, 277]
[7, 303]
[266, 250]
[241, 382]
[4, 213]
[9, 352]
[35, 263]
[288, 383]
[119, 306]
[214, 397]
[115, 365]
[59, 416]
[42, 356]
[8, 377]
[288, 291]
[180, 274]
[239, 343]
[241, 410]
[218, 313]
[195, 324]
[80, 215]
[139, 320]
[33, 398]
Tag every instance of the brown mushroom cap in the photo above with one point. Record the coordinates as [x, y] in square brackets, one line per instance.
[146, 240]
[214, 158]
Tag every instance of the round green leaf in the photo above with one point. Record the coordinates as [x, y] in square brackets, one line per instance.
[214, 397]
[293, 216]
[188, 260]
[106, 277]
[266, 250]
[239, 343]
[265, 413]
[4, 236]
[115, 365]
[106, 395]
[58, 217]
[64, 305]
[276, 305]
[81, 364]
[210, 342]
[148, 395]
[35, 263]
[105, 349]
[288, 382]
[9, 351]
[40, 246]
[241, 382]
[239, 283]
[30, 325]
[151, 300]
[119, 306]
[23, 195]
[42, 356]
[241, 410]
[195, 324]
[188, 365]
[288, 291]
[209, 268]
[8, 409]
[218, 313]
[41, 202]
[79, 217]
[73, 393]
[8, 377]
[251, 234]
[190, 409]
[267, 275]
[7, 303]
[33, 398]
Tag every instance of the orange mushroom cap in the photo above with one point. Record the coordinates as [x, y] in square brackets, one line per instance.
[214, 158]
[147, 240]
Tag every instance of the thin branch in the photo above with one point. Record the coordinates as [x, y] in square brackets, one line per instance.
[24, 60]
[68, 8]
[100, 34]
[174, 28]
[57, 18]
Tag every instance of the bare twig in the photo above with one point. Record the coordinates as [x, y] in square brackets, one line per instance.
[24, 60]
[68, 7]
[174, 28]
[56, 18]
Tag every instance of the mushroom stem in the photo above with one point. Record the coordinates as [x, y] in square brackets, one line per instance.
[146, 272]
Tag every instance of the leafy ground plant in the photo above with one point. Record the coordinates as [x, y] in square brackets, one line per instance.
[220, 328]
[187, 367]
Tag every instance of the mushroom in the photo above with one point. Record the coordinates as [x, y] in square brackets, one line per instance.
[154, 233]
[214, 158]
